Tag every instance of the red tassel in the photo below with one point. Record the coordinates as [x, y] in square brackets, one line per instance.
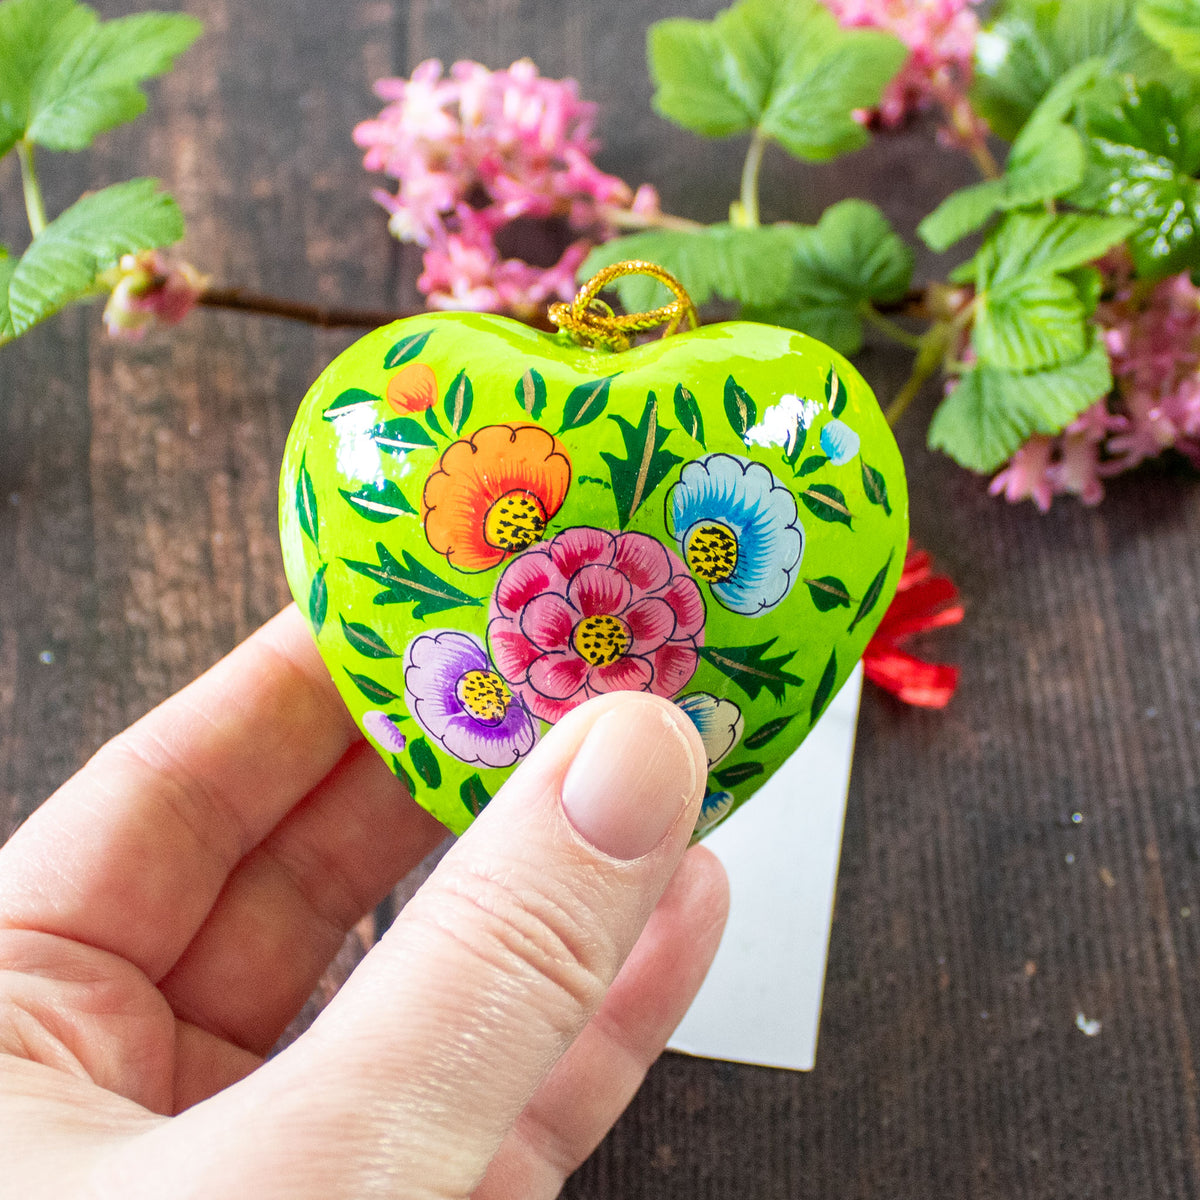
[923, 601]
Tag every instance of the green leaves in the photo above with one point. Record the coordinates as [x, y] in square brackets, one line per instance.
[1026, 324]
[828, 593]
[740, 409]
[752, 670]
[824, 688]
[458, 402]
[410, 583]
[63, 262]
[826, 503]
[1143, 149]
[870, 599]
[474, 795]
[751, 266]
[365, 640]
[992, 412]
[531, 393]
[731, 776]
[374, 691]
[306, 502]
[406, 349]
[875, 487]
[396, 437]
[68, 75]
[345, 401]
[585, 403]
[788, 71]
[318, 600]
[425, 763]
[378, 502]
[645, 464]
[687, 413]
[1034, 43]
[1175, 26]
[768, 732]
[851, 257]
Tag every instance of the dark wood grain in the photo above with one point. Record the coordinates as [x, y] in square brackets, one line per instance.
[975, 915]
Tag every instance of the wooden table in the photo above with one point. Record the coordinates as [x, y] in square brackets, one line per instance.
[976, 914]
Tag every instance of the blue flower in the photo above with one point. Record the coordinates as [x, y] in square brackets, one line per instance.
[719, 722]
[738, 529]
[840, 442]
[712, 808]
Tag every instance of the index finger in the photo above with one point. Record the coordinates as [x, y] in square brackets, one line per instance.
[130, 854]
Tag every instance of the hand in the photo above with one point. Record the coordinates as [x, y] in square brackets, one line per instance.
[166, 913]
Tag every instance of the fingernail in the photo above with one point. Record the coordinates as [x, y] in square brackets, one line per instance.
[631, 778]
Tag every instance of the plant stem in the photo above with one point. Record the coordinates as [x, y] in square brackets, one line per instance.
[35, 206]
[929, 359]
[240, 300]
[622, 218]
[888, 327]
[748, 198]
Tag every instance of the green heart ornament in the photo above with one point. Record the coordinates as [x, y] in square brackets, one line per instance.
[487, 525]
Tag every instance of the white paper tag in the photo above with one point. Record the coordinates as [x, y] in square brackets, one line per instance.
[761, 1002]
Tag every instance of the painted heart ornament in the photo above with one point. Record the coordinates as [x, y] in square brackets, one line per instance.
[487, 525]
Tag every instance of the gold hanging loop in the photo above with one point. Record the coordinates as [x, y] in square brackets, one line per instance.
[591, 322]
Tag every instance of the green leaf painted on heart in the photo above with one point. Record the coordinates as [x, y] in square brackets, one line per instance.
[374, 691]
[410, 583]
[378, 502]
[768, 732]
[740, 410]
[585, 403]
[824, 688]
[474, 795]
[828, 593]
[814, 462]
[458, 402]
[835, 393]
[788, 71]
[737, 773]
[875, 487]
[826, 503]
[306, 502]
[365, 640]
[425, 763]
[68, 76]
[350, 399]
[645, 465]
[318, 600]
[687, 413]
[404, 777]
[752, 670]
[400, 436]
[406, 349]
[871, 596]
[64, 262]
[531, 393]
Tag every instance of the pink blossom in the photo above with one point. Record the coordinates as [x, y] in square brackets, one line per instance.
[1152, 334]
[940, 36]
[150, 291]
[473, 150]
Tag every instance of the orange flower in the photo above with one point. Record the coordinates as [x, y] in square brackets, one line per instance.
[413, 389]
[492, 495]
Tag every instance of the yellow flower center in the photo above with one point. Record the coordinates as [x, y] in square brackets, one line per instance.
[516, 520]
[601, 639]
[484, 695]
[712, 551]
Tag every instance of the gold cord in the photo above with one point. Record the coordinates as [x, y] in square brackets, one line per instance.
[591, 322]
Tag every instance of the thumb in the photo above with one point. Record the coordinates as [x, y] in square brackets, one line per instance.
[435, 1045]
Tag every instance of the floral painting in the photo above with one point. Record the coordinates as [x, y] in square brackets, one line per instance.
[488, 526]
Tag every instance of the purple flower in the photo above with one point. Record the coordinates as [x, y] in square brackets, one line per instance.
[462, 704]
[384, 730]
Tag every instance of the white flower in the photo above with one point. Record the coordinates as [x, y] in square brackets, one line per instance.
[720, 723]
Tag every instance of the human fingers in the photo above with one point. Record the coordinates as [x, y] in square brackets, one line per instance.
[416, 1072]
[595, 1080]
[130, 854]
[288, 905]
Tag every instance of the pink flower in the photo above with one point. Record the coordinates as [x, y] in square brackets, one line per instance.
[940, 35]
[150, 291]
[474, 150]
[589, 612]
